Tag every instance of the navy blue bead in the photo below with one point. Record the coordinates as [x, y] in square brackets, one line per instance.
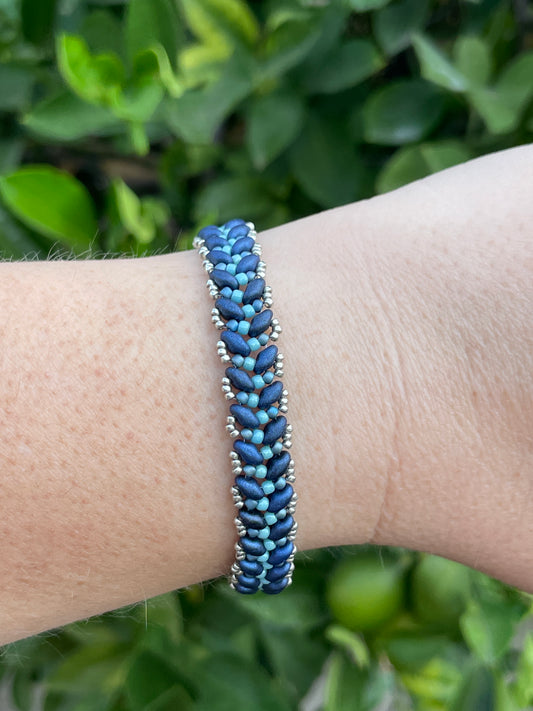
[270, 394]
[251, 567]
[244, 590]
[278, 465]
[280, 498]
[265, 359]
[254, 290]
[215, 241]
[248, 264]
[280, 571]
[275, 588]
[216, 256]
[229, 309]
[244, 244]
[281, 528]
[280, 555]
[249, 582]
[248, 486]
[248, 452]
[239, 230]
[240, 379]
[209, 230]
[275, 429]
[251, 519]
[244, 416]
[222, 279]
[260, 323]
[233, 222]
[235, 343]
[253, 546]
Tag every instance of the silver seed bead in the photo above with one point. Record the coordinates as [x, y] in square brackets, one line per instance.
[283, 408]
[234, 455]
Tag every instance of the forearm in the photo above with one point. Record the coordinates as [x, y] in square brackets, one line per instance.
[409, 394]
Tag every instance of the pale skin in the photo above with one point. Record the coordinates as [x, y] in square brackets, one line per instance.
[408, 344]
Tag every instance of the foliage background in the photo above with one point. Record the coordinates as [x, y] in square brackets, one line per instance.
[124, 128]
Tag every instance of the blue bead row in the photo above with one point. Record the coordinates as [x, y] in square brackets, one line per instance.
[264, 470]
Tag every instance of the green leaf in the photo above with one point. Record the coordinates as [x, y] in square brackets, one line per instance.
[351, 642]
[287, 46]
[472, 59]
[366, 5]
[514, 83]
[130, 211]
[221, 21]
[16, 84]
[415, 162]
[103, 32]
[155, 62]
[402, 112]
[231, 195]
[434, 684]
[325, 163]
[476, 691]
[523, 683]
[505, 700]
[395, 24]
[348, 687]
[197, 114]
[11, 152]
[148, 678]
[347, 65]
[436, 67]
[66, 117]
[37, 19]
[150, 22]
[52, 203]
[23, 689]
[97, 79]
[488, 627]
[101, 667]
[274, 121]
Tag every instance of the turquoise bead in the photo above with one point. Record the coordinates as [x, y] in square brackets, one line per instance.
[281, 541]
[262, 575]
[249, 470]
[263, 338]
[257, 380]
[268, 487]
[270, 518]
[236, 296]
[246, 434]
[226, 248]
[260, 471]
[252, 503]
[254, 343]
[280, 514]
[242, 279]
[230, 268]
[226, 291]
[248, 309]
[221, 266]
[242, 398]
[272, 412]
[281, 483]
[268, 377]
[243, 328]
[269, 545]
[237, 360]
[257, 436]
[262, 559]
[267, 452]
[262, 416]
[263, 533]
[262, 504]
[236, 258]
[232, 324]
[249, 363]
[252, 532]
[277, 447]
[257, 304]
[253, 398]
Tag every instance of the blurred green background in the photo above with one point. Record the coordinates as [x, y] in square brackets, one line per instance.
[127, 126]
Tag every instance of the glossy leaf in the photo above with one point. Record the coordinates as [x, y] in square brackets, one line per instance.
[221, 21]
[488, 627]
[286, 46]
[325, 163]
[351, 642]
[435, 684]
[66, 117]
[402, 112]
[274, 120]
[37, 19]
[149, 677]
[52, 203]
[436, 67]
[395, 24]
[150, 22]
[101, 667]
[225, 196]
[476, 691]
[472, 58]
[523, 683]
[16, 83]
[347, 65]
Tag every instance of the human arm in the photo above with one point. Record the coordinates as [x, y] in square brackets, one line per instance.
[408, 344]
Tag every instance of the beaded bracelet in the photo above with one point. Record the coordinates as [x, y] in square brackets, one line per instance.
[262, 492]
